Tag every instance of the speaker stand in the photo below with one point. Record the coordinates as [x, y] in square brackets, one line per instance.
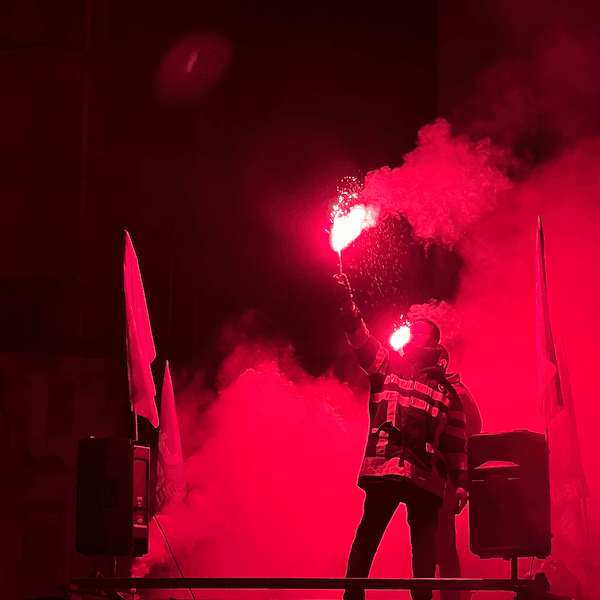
[113, 566]
[514, 573]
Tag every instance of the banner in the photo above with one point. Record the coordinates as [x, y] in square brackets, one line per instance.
[550, 401]
[170, 485]
[568, 485]
[140, 344]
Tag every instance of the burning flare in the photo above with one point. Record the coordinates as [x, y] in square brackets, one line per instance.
[400, 337]
[347, 226]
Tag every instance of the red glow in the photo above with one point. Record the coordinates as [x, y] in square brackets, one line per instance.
[444, 187]
[191, 61]
[400, 337]
[193, 66]
[346, 228]
[236, 509]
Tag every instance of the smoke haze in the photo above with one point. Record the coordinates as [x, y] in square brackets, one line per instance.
[273, 455]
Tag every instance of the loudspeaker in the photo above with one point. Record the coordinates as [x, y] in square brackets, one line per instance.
[509, 511]
[113, 479]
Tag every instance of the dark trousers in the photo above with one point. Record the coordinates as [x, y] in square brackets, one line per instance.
[447, 554]
[381, 502]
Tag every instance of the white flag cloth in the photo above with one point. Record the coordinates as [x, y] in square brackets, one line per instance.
[550, 400]
[170, 485]
[140, 344]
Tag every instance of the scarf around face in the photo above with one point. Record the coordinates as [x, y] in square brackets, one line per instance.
[421, 357]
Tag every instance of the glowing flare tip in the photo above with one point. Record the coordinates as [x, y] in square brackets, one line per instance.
[400, 337]
[346, 228]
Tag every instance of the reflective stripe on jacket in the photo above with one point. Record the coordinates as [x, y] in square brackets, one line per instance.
[417, 424]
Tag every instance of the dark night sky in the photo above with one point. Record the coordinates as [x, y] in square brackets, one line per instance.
[225, 185]
[308, 98]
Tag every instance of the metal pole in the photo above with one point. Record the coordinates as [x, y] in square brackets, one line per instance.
[195, 326]
[113, 566]
[280, 583]
[135, 427]
[130, 384]
[170, 308]
[587, 529]
[514, 573]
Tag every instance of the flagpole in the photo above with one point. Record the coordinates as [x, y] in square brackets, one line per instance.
[139, 342]
[135, 426]
[170, 307]
[587, 529]
[135, 416]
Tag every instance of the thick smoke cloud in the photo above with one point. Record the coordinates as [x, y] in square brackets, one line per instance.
[444, 187]
[497, 302]
[271, 465]
[273, 455]
[490, 327]
[539, 98]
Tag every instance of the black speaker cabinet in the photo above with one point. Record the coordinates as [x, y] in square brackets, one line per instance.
[113, 479]
[509, 510]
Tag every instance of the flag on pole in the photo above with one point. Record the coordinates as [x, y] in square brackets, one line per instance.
[568, 485]
[550, 400]
[140, 345]
[170, 485]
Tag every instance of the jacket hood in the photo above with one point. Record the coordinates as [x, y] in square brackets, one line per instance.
[453, 378]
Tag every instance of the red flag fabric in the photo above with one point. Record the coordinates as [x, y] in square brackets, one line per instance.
[568, 485]
[140, 344]
[550, 401]
[170, 485]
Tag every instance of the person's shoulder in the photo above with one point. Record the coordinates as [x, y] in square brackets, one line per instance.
[436, 372]
[400, 366]
[453, 378]
[437, 379]
[461, 389]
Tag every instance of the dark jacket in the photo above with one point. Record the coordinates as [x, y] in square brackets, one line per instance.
[417, 424]
[472, 415]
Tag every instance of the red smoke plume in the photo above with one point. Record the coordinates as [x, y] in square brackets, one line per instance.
[273, 458]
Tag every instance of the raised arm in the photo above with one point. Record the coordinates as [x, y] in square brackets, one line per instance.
[373, 357]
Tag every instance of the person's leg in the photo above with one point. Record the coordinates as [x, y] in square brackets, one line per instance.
[447, 554]
[380, 503]
[422, 508]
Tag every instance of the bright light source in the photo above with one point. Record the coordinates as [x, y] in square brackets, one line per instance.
[347, 227]
[400, 337]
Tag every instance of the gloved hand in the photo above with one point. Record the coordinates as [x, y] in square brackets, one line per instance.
[342, 290]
